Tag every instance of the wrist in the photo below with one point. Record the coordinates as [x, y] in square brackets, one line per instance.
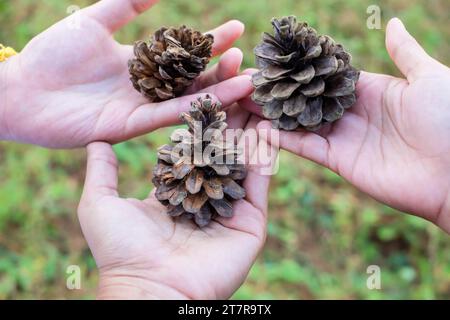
[119, 286]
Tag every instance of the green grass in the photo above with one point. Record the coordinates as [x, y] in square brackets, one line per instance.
[322, 233]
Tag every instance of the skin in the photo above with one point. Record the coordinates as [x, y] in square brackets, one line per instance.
[167, 259]
[73, 102]
[89, 97]
[142, 253]
[393, 143]
[388, 145]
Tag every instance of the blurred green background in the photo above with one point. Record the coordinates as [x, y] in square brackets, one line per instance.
[323, 234]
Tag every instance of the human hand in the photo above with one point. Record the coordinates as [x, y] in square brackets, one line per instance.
[142, 253]
[393, 144]
[69, 87]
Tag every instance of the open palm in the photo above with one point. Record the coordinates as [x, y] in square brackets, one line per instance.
[70, 85]
[143, 253]
[393, 143]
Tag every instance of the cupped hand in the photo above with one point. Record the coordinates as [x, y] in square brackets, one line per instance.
[394, 143]
[70, 85]
[142, 253]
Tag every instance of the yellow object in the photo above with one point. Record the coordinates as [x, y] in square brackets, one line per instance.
[6, 52]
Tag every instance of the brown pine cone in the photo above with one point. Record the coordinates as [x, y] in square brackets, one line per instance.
[169, 63]
[199, 186]
[305, 79]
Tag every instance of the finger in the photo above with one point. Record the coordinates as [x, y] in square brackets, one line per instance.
[114, 14]
[225, 35]
[407, 54]
[227, 67]
[305, 144]
[237, 117]
[260, 169]
[101, 175]
[152, 116]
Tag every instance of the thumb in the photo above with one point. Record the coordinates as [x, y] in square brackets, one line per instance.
[114, 14]
[101, 174]
[407, 54]
[262, 165]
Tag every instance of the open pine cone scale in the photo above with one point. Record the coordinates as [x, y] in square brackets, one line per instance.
[305, 80]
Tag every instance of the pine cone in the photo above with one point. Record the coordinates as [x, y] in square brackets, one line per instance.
[165, 67]
[305, 79]
[199, 186]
